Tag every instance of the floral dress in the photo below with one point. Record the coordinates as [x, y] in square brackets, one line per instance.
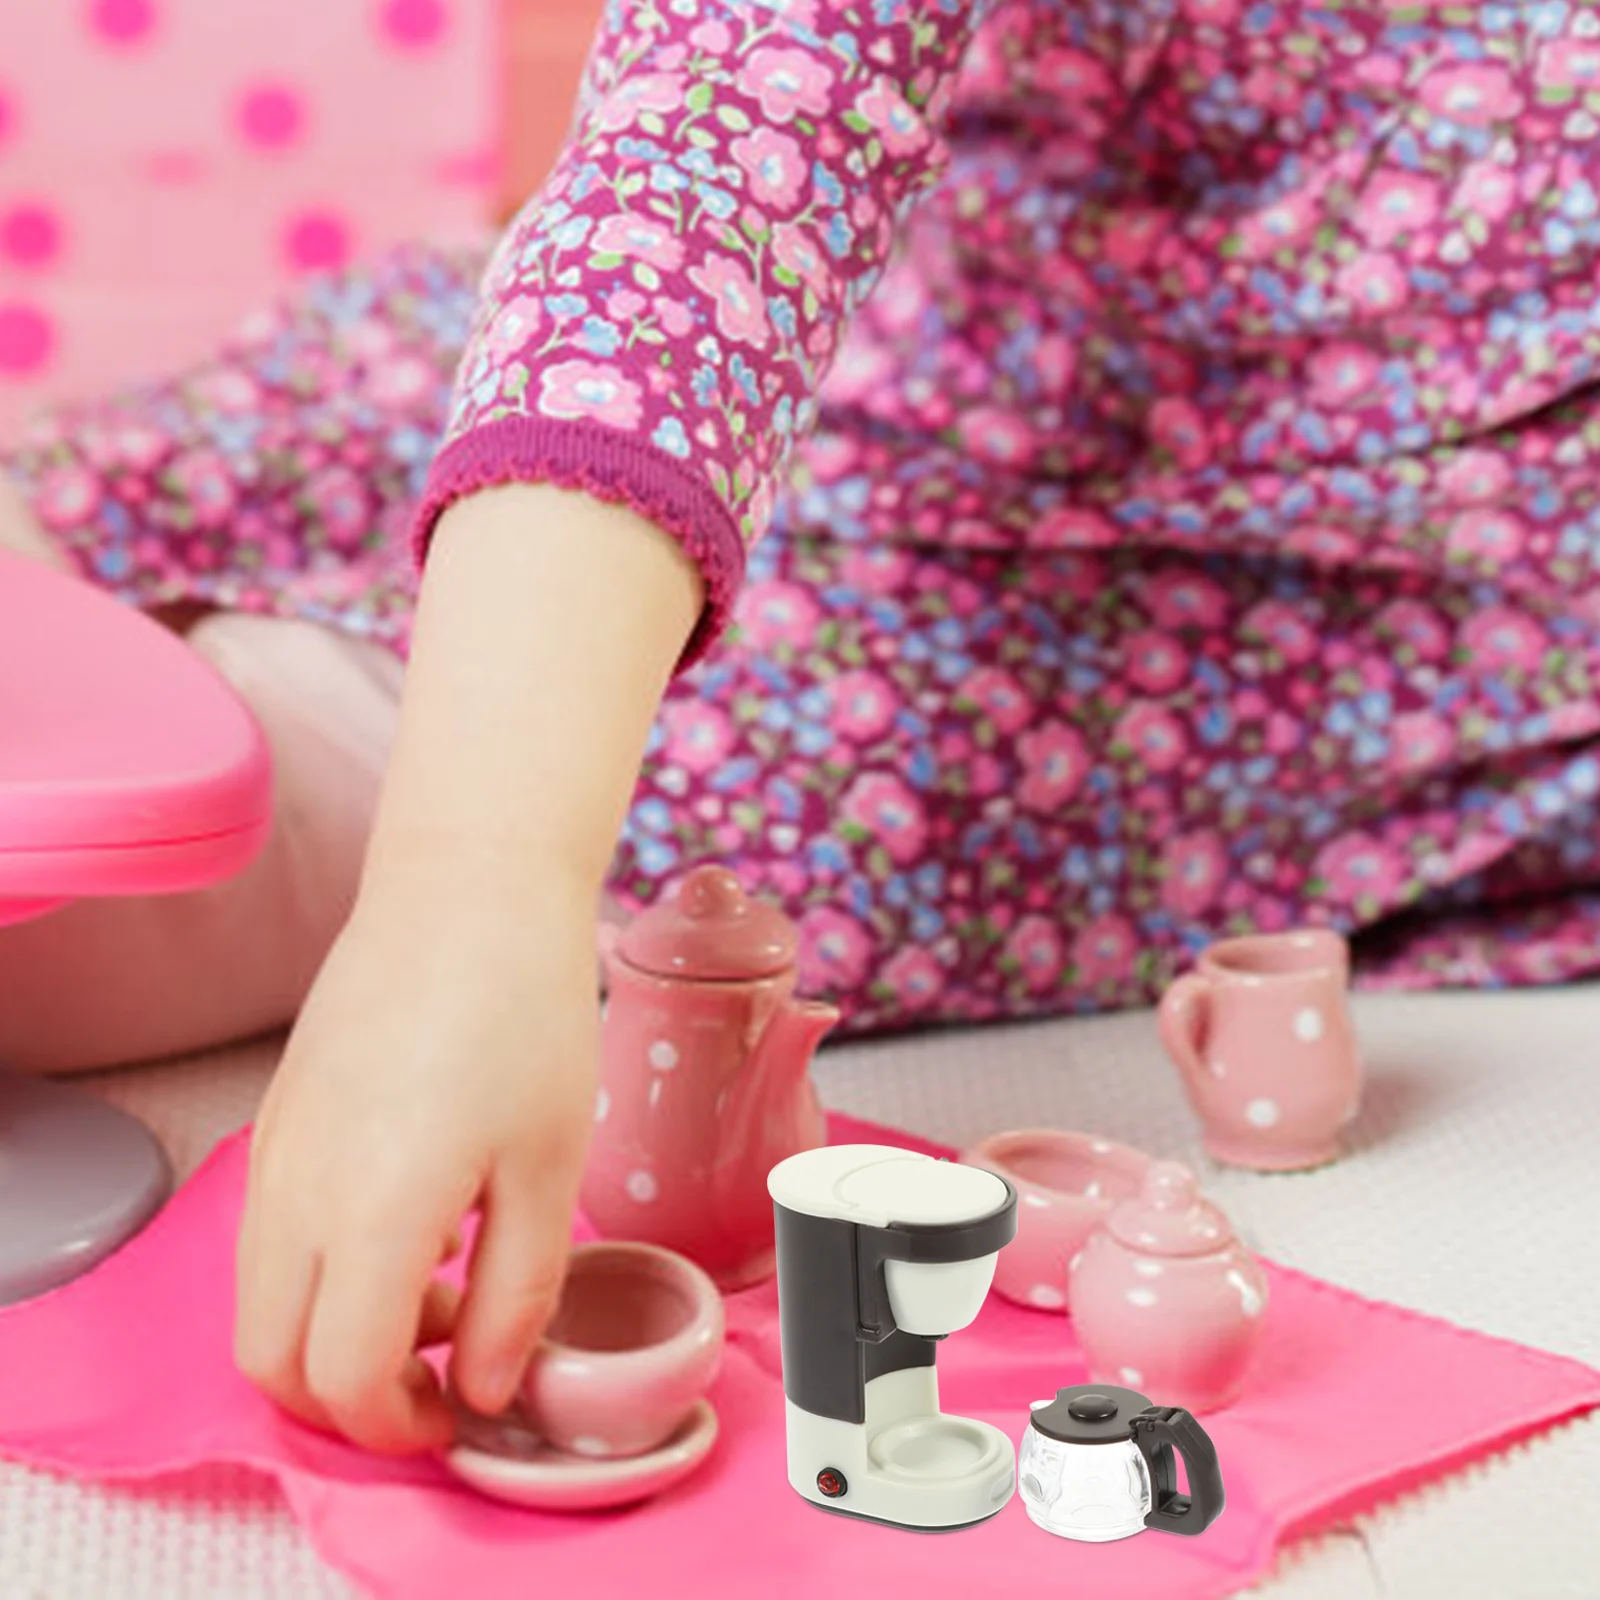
[1141, 457]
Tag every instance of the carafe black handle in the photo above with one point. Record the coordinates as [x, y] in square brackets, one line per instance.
[1159, 1431]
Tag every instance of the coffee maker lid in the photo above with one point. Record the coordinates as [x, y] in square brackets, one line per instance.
[880, 1186]
[1089, 1413]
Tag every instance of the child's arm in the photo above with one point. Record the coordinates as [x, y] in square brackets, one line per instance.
[447, 1053]
[653, 332]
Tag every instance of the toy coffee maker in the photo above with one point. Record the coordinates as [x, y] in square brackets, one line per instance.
[882, 1253]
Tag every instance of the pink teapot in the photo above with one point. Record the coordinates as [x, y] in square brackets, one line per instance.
[704, 1081]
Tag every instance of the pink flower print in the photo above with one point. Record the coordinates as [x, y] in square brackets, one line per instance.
[1419, 740]
[1476, 95]
[698, 736]
[1475, 477]
[776, 165]
[834, 951]
[1358, 868]
[1279, 226]
[1104, 951]
[139, 446]
[1487, 188]
[889, 812]
[1185, 600]
[995, 435]
[1071, 77]
[1154, 662]
[644, 238]
[202, 479]
[66, 497]
[624, 305]
[228, 391]
[1055, 763]
[1178, 426]
[1155, 736]
[1285, 629]
[577, 391]
[773, 613]
[1216, 12]
[741, 315]
[915, 978]
[1325, 546]
[1487, 537]
[788, 83]
[660, 92]
[1374, 283]
[1341, 374]
[893, 119]
[1570, 64]
[1039, 951]
[713, 38]
[1498, 639]
[341, 505]
[1394, 205]
[514, 327]
[795, 250]
[999, 697]
[863, 705]
[395, 385]
[882, 570]
[1193, 866]
[1073, 529]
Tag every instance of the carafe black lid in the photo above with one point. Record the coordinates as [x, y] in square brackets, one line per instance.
[1090, 1413]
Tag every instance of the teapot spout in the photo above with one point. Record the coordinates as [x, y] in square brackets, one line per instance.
[791, 1038]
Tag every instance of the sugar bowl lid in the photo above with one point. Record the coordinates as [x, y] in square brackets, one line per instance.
[1089, 1413]
[711, 931]
[1170, 1217]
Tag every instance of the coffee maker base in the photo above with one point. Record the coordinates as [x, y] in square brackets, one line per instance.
[929, 1472]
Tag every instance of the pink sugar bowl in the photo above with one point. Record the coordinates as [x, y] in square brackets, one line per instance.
[1165, 1298]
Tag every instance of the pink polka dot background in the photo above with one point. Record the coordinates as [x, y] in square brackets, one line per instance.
[166, 166]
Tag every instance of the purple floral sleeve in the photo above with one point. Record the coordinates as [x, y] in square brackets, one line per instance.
[655, 326]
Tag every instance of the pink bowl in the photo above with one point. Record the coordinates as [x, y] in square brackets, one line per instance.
[632, 1349]
[1066, 1185]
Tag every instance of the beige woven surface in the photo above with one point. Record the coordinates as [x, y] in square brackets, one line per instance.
[1471, 1192]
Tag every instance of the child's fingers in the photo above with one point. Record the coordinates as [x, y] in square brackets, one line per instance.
[277, 1284]
[518, 1262]
[441, 1306]
[360, 1360]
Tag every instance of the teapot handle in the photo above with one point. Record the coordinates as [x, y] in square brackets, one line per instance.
[1157, 1432]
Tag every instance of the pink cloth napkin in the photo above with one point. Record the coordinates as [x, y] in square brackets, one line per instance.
[127, 1374]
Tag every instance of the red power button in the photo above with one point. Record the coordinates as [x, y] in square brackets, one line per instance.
[831, 1483]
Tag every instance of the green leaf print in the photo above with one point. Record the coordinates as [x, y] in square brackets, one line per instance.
[646, 276]
[733, 119]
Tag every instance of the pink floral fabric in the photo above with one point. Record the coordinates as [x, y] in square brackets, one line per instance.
[1196, 529]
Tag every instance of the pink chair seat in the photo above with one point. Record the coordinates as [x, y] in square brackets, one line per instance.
[126, 765]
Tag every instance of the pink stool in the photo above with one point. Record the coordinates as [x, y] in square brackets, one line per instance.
[127, 767]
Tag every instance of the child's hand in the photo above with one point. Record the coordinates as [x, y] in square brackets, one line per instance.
[445, 1060]
[447, 1055]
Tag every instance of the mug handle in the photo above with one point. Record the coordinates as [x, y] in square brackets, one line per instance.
[1182, 1022]
[1157, 1433]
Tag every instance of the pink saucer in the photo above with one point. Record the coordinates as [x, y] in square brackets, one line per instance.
[523, 1470]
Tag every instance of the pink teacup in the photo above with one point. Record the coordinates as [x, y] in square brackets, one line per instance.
[1261, 1033]
[1067, 1185]
[635, 1343]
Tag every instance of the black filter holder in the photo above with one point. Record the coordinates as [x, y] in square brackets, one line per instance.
[837, 1326]
[1159, 1433]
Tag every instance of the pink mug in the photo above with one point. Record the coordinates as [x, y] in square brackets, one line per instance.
[1261, 1033]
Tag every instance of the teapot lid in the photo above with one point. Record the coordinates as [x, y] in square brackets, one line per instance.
[1170, 1216]
[1089, 1413]
[711, 931]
